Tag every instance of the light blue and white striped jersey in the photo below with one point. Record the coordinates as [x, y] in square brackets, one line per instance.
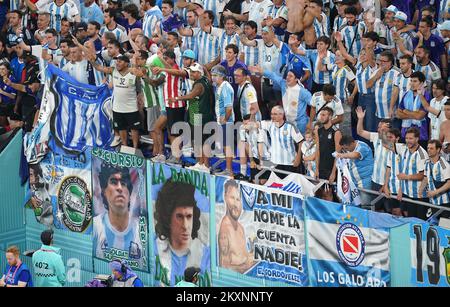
[407, 38]
[413, 163]
[208, 46]
[404, 84]
[67, 10]
[444, 8]
[246, 96]
[338, 22]
[216, 6]
[283, 140]
[13, 5]
[251, 138]
[389, 39]
[108, 241]
[173, 263]
[437, 175]
[383, 92]
[341, 78]
[436, 121]
[225, 39]
[431, 72]
[318, 102]
[119, 32]
[395, 163]
[295, 99]
[322, 28]
[308, 149]
[380, 157]
[362, 76]
[352, 37]
[278, 12]
[251, 54]
[361, 169]
[224, 99]
[269, 56]
[151, 17]
[321, 77]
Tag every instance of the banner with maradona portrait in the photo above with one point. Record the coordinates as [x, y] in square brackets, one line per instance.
[120, 227]
[181, 207]
[260, 232]
[60, 191]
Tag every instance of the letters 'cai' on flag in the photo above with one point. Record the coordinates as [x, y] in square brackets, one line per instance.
[293, 183]
[82, 113]
[348, 248]
[346, 188]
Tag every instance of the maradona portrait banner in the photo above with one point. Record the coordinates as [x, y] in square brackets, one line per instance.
[181, 206]
[60, 191]
[430, 255]
[120, 208]
[260, 232]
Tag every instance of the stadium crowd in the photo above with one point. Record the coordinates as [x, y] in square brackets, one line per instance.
[311, 81]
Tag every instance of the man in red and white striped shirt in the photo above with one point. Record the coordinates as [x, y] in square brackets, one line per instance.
[175, 109]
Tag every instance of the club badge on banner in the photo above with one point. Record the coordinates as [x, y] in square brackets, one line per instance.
[260, 232]
[348, 246]
[120, 228]
[181, 208]
[60, 191]
[430, 255]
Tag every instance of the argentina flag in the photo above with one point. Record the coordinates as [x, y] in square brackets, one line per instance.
[348, 247]
[82, 113]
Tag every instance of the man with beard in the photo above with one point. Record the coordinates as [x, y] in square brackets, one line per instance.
[233, 253]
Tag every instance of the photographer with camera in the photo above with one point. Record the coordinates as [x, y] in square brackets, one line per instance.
[123, 276]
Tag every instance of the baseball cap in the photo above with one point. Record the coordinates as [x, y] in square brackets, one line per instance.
[265, 29]
[113, 1]
[188, 53]
[391, 8]
[445, 26]
[190, 273]
[196, 67]
[47, 236]
[400, 15]
[123, 57]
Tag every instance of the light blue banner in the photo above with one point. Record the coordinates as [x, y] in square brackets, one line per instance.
[430, 255]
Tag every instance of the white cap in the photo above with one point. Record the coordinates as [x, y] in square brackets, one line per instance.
[196, 67]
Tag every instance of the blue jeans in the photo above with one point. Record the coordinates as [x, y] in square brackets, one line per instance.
[367, 102]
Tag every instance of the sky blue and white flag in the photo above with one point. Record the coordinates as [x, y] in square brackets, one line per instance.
[81, 115]
[180, 206]
[348, 246]
[346, 188]
[430, 255]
